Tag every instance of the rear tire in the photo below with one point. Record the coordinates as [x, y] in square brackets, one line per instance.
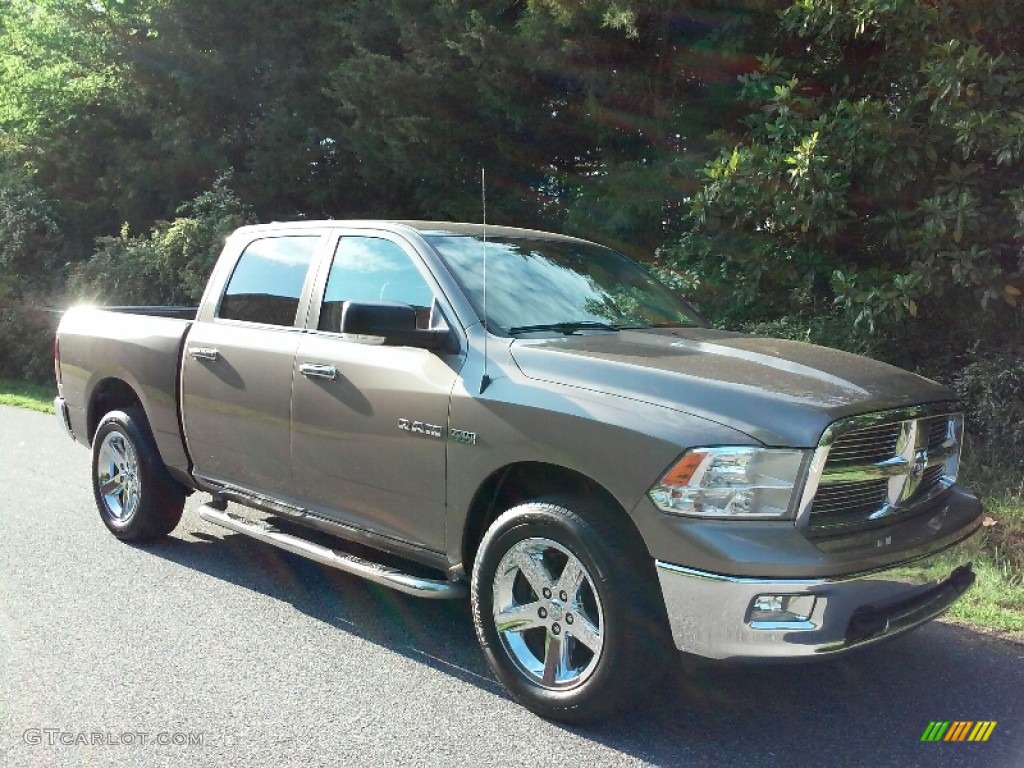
[136, 497]
[568, 611]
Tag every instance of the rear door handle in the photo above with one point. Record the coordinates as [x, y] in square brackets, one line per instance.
[204, 353]
[314, 371]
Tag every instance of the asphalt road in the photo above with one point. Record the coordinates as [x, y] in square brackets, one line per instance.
[265, 659]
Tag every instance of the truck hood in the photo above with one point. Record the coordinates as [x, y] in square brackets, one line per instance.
[781, 393]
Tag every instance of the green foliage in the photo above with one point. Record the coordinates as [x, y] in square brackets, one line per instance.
[122, 109]
[26, 340]
[31, 246]
[645, 82]
[422, 100]
[992, 387]
[171, 264]
[880, 166]
[588, 116]
[57, 58]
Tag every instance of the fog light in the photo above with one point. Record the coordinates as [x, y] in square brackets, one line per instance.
[781, 609]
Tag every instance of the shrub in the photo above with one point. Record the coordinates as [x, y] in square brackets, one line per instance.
[31, 246]
[170, 265]
[992, 388]
[26, 341]
[878, 169]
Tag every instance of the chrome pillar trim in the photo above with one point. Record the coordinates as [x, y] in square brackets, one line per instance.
[60, 409]
[384, 575]
[711, 614]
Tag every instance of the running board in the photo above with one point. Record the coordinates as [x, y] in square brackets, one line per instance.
[379, 574]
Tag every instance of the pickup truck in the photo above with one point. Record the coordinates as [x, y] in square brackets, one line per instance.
[537, 421]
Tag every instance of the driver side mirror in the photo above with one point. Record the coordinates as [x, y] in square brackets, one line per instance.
[388, 323]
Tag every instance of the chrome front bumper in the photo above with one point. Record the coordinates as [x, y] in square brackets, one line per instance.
[724, 617]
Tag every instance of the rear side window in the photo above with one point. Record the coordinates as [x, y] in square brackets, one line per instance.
[373, 269]
[267, 282]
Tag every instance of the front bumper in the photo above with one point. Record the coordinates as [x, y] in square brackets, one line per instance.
[718, 616]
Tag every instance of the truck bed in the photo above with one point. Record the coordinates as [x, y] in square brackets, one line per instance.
[141, 346]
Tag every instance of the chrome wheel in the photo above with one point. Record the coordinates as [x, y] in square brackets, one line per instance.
[117, 476]
[548, 613]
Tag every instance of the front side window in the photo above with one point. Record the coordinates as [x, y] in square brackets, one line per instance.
[267, 282]
[373, 269]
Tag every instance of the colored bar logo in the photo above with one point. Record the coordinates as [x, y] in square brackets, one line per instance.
[958, 730]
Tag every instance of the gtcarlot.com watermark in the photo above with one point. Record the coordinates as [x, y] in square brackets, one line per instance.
[59, 737]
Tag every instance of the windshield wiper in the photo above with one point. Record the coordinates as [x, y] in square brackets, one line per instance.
[568, 327]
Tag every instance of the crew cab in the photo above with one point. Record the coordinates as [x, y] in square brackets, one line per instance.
[536, 421]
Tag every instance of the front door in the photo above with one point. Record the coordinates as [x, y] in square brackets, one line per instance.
[370, 423]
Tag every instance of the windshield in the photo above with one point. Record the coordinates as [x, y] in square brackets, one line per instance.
[560, 286]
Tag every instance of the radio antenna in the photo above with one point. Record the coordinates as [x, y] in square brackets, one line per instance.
[485, 380]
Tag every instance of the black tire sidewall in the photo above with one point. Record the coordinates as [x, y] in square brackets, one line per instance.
[160, 499]
[607, 689]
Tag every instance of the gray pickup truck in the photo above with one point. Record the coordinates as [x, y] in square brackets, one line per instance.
[538, 421]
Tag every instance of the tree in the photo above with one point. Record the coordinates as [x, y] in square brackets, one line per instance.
[32, 252]
[172, 263]
[879, 169]
[124, 108]
[649, 81]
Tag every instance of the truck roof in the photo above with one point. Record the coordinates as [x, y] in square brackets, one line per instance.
[423, 227]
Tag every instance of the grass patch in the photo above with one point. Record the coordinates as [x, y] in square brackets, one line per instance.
[23, 394]
[996, 602]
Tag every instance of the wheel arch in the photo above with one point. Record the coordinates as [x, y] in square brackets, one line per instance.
[524, 481]
[110, 394]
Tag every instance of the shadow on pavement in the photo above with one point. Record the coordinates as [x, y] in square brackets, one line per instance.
[869, 708]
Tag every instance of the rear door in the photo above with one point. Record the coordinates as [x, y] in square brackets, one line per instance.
[238, 362]
[370, 423]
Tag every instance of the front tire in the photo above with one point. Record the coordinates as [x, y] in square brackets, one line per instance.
[567, 610]
[136, 497]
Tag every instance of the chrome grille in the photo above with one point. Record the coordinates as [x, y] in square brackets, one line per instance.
[863, 446]
[883, 466]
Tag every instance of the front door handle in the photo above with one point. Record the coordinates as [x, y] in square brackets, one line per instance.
[314, 371]
[204, 353]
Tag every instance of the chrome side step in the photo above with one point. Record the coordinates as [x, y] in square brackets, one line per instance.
[379, 574]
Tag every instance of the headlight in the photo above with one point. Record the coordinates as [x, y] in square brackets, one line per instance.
[730, 483]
